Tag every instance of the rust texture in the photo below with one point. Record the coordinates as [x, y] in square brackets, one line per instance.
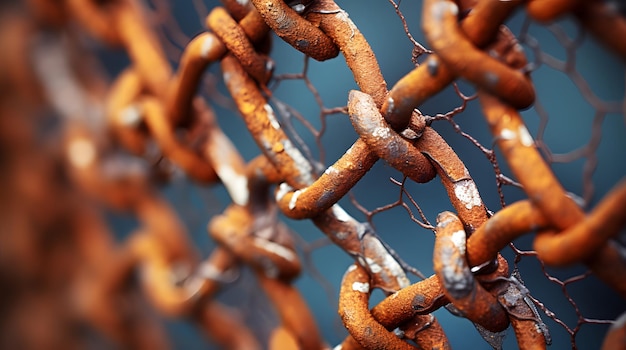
[119, 142]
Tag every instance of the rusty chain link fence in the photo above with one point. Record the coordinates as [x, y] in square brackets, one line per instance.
[306, 174]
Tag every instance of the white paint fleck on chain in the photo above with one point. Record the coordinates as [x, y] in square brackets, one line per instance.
[271, 116]
[340, 213]
[465, 190]
[361, 287]
[459, 239]
[283, 189]
[524, 137]
[381, 132]
[236, 184]
[294, 199]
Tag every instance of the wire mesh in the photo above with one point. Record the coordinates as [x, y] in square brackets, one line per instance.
[577, 121]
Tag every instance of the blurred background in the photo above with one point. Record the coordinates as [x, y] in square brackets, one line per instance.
[584, 144]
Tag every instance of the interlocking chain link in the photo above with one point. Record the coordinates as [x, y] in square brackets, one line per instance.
[122, 139]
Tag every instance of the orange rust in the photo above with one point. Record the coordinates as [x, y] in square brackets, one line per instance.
[543, 188]
[502, 228]
[432, 76]
[143, 47]
[357, 52]
[385, 142]
[550, 10]
[455, 177]
[582, 240]
[234, 231]
[440, 23]
[198, 53]
[258, 116]
[294, 313]
[281, 339]
[123, 116]
[526, 163]
[452, 271]
[485, 19]
[234, 38]
[156, 276]
[331, 186]
[353, 310]
[426, 332]
[295, 30]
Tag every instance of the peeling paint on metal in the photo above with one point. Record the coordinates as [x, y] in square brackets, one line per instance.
[271, 116]
[305, 169]
[294, 199]
[283, 189]
[465, 190]
[361, 287]
[374, 267]
[524, 136]
[508, 134]
[331, 171]
[459, 238]
[340, 214]
[382, 132]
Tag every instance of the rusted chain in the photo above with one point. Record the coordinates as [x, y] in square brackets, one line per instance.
[440, 22]
[432, 76]
[147, 103]
[530, 331]
[581, 241]
[295, 30]
[233, 36]
[450, 265]
[456, 179]
[198, 54]
[297, 173]
[330, 187]
[359, 56]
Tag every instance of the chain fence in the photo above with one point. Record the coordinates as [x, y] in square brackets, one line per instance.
[388, 175]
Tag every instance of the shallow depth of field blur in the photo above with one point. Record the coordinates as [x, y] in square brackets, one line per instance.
[569, 125]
